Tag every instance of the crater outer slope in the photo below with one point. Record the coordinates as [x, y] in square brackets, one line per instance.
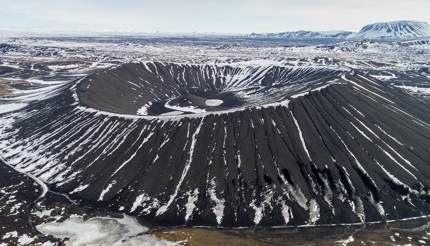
[344, 149]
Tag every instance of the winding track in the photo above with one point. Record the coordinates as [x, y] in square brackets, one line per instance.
[306, 146]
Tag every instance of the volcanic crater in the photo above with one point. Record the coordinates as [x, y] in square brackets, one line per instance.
[230, 145]
[157, 89]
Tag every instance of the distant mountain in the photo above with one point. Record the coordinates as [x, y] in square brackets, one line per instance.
[386, 30]
[303, 35]
[394, 30]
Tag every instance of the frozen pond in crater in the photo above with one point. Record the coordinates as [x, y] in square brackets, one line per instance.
[213, 102]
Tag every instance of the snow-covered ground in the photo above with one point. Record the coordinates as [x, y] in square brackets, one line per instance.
[102, 231]
[415, 89]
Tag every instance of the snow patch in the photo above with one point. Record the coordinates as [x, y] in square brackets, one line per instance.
[191, 203]
[101, 231]
[10, 107]
[218, 209]
[213, 102]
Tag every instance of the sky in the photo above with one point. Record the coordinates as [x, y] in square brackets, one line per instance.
[204, 16]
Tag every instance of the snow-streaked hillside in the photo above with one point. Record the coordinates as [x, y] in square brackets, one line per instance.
[394, 30]
[383, 30]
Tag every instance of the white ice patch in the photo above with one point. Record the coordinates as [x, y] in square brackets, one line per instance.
[187, 109]
[63, 67]
[378, 205]
[258, 215]
[45, 82]
[286, 213]
[218, 209]
[25, 240]
[146, 202]
[101, 231]
[314, 212]
[384, 77]
[191, 203]
[415, 89]
[213, 102]
[43, 213]
[144, 109]
[138, 202]
[10, 234]
[10, 107]
[106, 190]
[259, 210]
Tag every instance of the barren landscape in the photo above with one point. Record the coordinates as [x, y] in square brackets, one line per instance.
[209, 140]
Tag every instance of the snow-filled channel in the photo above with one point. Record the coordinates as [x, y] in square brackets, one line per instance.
[6, 108]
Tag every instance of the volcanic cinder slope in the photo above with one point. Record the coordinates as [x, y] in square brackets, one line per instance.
[280, 145]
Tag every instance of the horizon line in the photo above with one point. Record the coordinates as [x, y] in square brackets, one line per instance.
[33, 31]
